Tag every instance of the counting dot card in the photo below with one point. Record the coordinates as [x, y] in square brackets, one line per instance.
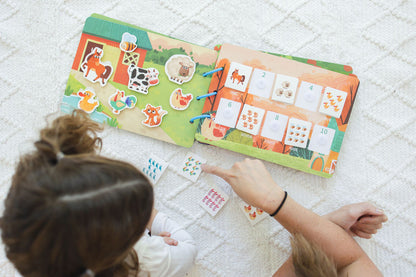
[250, 119]
[261, 83]
[154, 168]
[190, 168]
[309, 96]
[227, 113]
[274, 126]
[213, 200]
[333, 102]
[298, 132]
[285, 88]
[238, 76]
[321, 139]
[253, 214]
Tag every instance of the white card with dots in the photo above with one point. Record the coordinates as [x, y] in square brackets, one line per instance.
[154, 168]
[298, 132]
[190, 168]
[333, 102]
[285, 89]
[250, 119]
[213, 200]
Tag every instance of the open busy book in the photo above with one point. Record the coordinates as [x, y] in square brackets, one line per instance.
[283, 109]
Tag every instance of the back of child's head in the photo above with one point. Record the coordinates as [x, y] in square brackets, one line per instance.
[70, 210]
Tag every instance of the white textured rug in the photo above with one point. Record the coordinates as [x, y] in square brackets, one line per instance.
[38, 40]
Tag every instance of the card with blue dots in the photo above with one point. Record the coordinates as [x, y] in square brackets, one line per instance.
[154, 168]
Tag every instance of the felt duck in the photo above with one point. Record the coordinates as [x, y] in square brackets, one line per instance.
[87, 101]
[118, 101]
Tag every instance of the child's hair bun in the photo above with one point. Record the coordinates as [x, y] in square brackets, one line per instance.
[69, 135]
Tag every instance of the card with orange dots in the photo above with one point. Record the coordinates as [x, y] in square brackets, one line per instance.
[333, 102]
[253, 214]
[250, 119]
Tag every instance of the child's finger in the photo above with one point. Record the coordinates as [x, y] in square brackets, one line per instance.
[170, 241]
[164, 234]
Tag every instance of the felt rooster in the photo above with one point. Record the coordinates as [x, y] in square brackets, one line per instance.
[252, 215]
[179, 101]
[118, 101]
[87, 101]
[211, 130]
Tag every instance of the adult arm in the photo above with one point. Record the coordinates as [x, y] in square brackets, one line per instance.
[254, 184]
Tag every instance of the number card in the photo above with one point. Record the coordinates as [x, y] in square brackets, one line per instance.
[308, 96]
[227, 113]
[261, 83]
[274, 126]
[213, 200]
[321, 139]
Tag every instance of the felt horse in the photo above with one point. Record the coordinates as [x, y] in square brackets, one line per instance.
[93, 62]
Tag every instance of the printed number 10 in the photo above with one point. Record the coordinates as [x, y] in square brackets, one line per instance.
[324, 131]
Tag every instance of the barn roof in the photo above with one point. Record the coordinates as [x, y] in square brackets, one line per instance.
[107, 28]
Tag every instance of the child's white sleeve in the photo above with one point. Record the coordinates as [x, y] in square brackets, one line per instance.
[160, 259]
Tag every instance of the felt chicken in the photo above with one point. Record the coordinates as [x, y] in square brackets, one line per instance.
[252, 215]
[87, 101]
[211, 130]
[247, 208]
[118, 101]
[179, 101]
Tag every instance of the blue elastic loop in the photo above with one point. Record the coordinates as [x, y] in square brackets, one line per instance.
[199, 117]
[206, 95]
[212, 71]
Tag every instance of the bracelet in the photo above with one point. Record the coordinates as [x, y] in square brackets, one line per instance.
[280, 206]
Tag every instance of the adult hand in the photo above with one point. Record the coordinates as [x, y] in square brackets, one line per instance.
[360, 219]
[252, 182]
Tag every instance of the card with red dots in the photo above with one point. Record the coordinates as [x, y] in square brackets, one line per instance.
[253, 214]
[213, 200]
[250, 119]
[190, 168]
[333, 102]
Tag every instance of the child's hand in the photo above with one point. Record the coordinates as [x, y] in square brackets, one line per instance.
[168, 240]
[252, 182]
[360, 219]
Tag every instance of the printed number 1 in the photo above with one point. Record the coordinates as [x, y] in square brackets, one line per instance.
[229, 104]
